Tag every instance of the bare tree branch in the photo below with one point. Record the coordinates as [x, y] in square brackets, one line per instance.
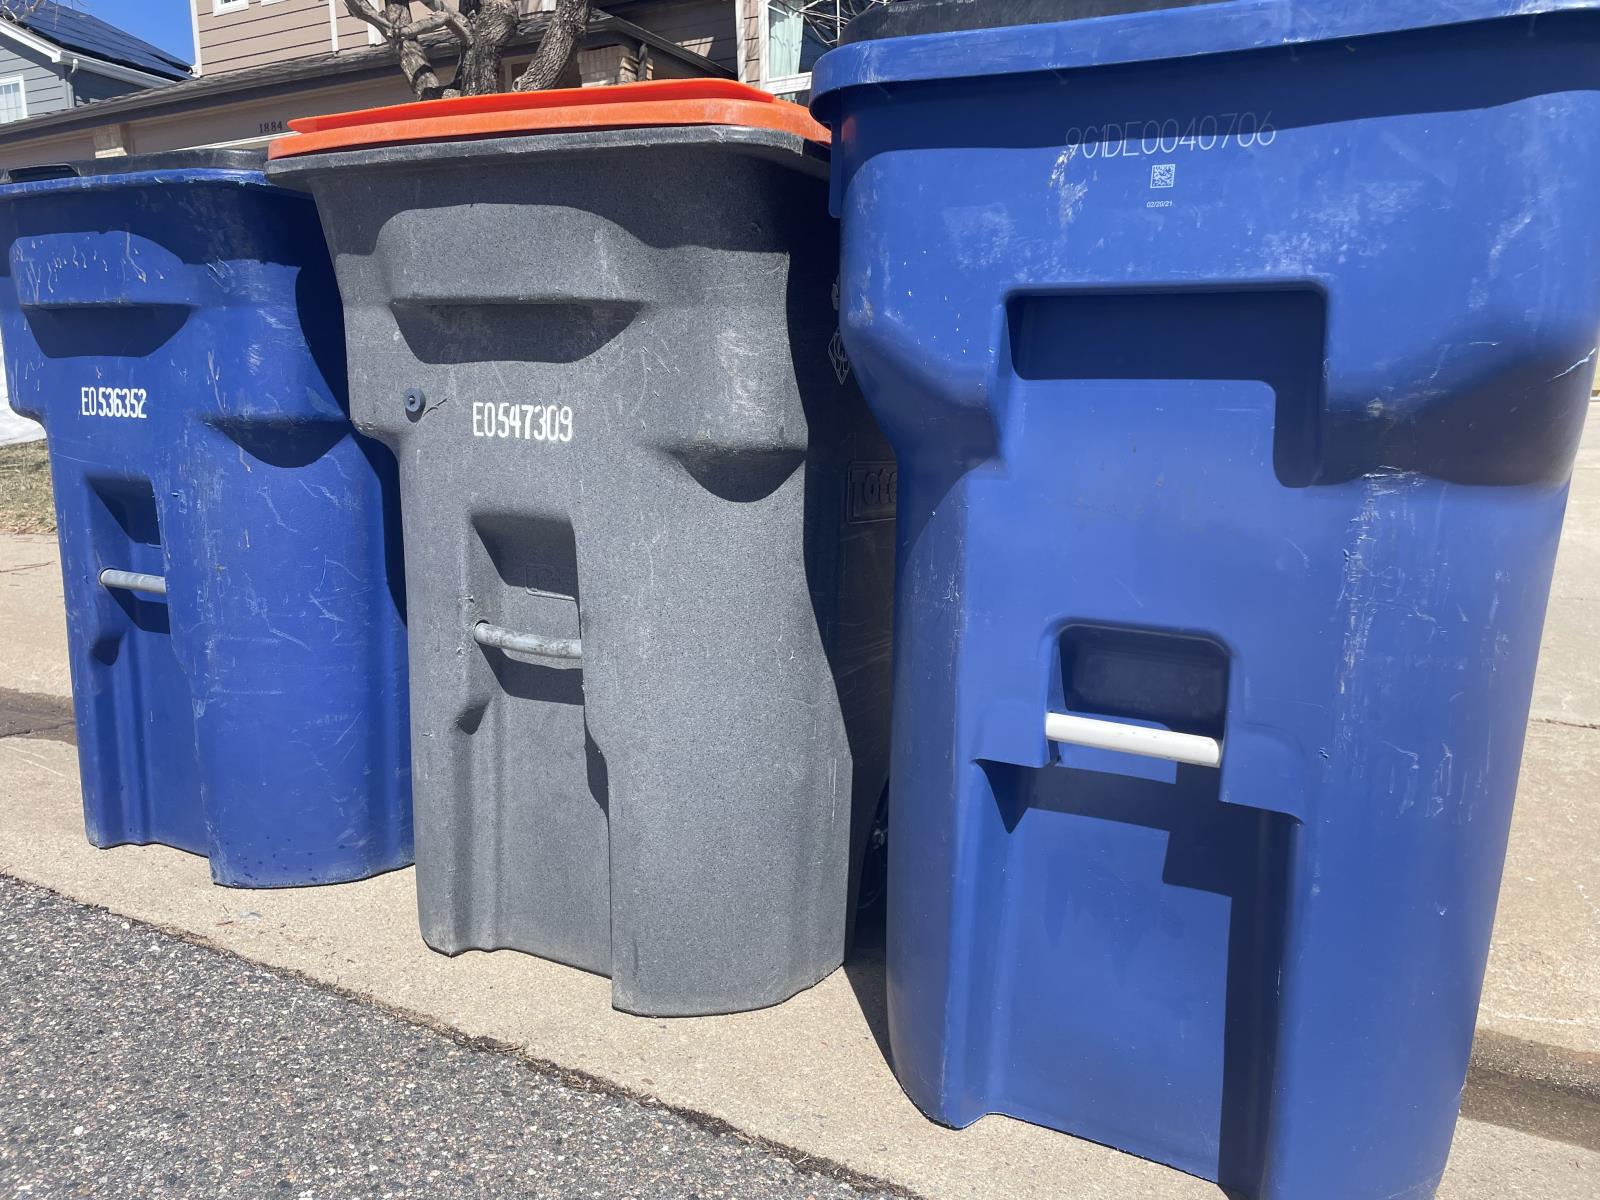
[483, 28]
[444, 15]
[15, 10]
[397, 28]
[363, 11]
[493, 22]
[442, 18]
[428, 25]
[567, 25]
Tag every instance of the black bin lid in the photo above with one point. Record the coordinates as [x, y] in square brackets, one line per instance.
[171, 160]
[947, 16]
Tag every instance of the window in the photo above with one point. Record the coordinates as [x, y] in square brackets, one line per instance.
[13, 99]
[219, 7]
[794, 34]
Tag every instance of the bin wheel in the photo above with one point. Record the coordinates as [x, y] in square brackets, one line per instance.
[875, 860]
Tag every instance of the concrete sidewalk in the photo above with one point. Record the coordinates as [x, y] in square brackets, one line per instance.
[811, 1075]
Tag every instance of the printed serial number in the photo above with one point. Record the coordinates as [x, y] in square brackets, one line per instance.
[1135, 139]
[113, 402]
[522, 422]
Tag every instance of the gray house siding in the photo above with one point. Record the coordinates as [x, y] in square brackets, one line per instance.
[706, 27]
[45, 90]
[88, 87]
[46, 87]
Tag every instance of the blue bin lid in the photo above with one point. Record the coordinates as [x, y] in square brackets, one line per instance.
[186, 161]
[983, 41]
[947, 16]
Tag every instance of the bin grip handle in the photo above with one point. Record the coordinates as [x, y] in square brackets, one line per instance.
[133, 581]
[496, 638]
[1188, 748]
[42, 172]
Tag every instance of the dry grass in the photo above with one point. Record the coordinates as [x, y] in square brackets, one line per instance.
[26, 505]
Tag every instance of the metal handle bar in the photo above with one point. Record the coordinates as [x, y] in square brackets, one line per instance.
[1186, 748]
[485, 634]
[133, 581]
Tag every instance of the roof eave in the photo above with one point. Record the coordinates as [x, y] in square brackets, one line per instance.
[58, 55]
[127, 74]
[257, 82]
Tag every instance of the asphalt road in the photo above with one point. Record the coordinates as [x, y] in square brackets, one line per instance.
[136, 1064]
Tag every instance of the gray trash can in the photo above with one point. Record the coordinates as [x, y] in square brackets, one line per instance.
[648, 524]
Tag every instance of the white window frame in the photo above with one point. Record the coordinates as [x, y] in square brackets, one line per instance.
[194, 27]
[782, 85]
[336, 11]
[22, 93]
[221, 8]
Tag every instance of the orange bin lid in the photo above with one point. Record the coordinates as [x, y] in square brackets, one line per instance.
[665, 102]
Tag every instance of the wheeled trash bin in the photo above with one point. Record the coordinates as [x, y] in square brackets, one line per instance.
[649, 524]
[1236, 354]
[229, 546]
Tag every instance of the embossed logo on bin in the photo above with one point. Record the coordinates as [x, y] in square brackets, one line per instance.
[874, 492]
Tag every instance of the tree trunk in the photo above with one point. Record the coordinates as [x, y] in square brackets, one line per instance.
[483, 28]
[493, 22]
[414, 62]
[566, 29]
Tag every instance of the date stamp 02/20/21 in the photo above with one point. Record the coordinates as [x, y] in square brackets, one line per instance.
[1163, 176]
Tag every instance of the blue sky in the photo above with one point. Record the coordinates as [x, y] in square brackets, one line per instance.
[163, 23]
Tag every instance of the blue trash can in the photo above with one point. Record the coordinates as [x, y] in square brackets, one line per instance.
[1236, 357]
[229, 546]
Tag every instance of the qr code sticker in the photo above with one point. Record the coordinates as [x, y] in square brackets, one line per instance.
[1164, 175]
